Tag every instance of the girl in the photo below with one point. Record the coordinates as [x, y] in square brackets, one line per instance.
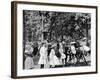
[63, 56]
[54, 60]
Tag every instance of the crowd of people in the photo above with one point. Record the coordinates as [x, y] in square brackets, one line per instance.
[55, 54]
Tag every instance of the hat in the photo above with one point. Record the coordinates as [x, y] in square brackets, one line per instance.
[84, 38]
[72, 42]
[28, 49]
[54, 45]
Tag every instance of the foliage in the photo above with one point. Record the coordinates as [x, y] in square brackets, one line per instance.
[70, 25]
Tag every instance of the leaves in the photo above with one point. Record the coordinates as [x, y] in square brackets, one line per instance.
[57, 24]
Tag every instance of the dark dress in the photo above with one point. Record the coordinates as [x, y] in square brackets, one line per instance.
[66, 50]
[57, 53]
[35, 50]
[49, 49]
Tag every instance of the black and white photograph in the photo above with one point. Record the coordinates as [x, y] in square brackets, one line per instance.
[53, 39]
[56, 39]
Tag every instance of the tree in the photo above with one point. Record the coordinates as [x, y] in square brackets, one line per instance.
[57, 24]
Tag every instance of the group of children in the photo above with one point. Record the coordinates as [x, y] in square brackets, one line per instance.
[55, 55]
[54, 58]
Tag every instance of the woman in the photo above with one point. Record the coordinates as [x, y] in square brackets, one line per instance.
[84, 47]
[29, 63]
[43, 56]
[68, 54]
[66, 48]
[35, 48]
[73, 50]
[63, 56]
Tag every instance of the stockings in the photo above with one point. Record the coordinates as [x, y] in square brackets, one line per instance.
[42, 66]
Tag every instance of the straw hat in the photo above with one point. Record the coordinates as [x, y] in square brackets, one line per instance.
[84, 38]
[28, 49]
[72, 42]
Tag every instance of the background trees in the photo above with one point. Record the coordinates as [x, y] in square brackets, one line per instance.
[56, 25]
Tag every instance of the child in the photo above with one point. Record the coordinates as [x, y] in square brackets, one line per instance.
[54, 60]
[43, 56]
[63, 56]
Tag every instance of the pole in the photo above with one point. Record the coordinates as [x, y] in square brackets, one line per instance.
[42, 26]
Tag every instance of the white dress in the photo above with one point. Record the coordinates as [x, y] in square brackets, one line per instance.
[43, 56]
[29, 63]
[63, 56]
[73, 49]
[53, 58]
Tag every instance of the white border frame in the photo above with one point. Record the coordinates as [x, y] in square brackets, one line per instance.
[21, 72]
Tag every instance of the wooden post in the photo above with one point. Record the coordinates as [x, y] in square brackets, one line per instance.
[42, 26]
